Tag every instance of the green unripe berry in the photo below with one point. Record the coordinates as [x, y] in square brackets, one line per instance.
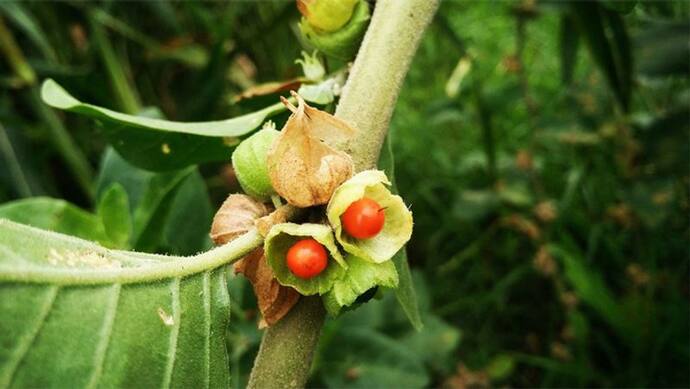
[326, 15]
[344, 42]
[249, 161]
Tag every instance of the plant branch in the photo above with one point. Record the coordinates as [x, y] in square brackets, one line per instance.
[378, 73]
[367, 103]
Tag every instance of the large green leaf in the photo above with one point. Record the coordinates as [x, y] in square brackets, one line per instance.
[404, 293]
[75, 314]
[157, 144]
[169, 210]
[147, 211]
[56, 215]
[189, 219]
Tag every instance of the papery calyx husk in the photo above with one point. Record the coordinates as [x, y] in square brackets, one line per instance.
[397, 228]
[235, 217]
[303, 166]
[274, 300]
[343, 42]
[280, 215]
[361, 275]
[249, 162]
[279, 240]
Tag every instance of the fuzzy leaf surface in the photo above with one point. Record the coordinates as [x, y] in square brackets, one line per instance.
[78, 315]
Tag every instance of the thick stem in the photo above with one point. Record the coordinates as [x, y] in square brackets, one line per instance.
[287, 348]
[378, 73]
[367, 103]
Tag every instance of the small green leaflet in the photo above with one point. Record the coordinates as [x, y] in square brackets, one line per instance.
[78, 315]
[157, 144]
[113, 209]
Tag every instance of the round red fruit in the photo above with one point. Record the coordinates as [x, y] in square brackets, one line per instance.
[307, 258]
[363, 219]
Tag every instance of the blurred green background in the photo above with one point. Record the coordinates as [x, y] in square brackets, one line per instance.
[543, 148]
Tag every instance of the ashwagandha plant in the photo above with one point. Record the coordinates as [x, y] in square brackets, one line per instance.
[318, 230]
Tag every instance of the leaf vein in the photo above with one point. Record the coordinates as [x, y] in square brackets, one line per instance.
[207, 326]
[174, 332]
[104, 336]
[29, 337]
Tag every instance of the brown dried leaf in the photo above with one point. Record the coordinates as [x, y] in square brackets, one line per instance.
[281, 215]
[268, 88]
[303, 166]
[235, 217]
[274, 300]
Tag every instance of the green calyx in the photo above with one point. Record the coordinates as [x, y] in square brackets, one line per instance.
[367, 262]
[361, 275]
[343, 42]
[279, 240]
[327, 15]
[249, 161]
[397, 228]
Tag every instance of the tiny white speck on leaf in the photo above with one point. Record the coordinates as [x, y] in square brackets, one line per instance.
[165, 318]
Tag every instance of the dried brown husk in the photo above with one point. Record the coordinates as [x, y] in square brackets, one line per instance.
[274, 300]
[269, 88]
[281, 215]
[235, 217]
[303, 166]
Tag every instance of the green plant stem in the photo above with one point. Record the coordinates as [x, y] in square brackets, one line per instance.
[367, 103]
[166, 266]
[287, 349]
[378, 73]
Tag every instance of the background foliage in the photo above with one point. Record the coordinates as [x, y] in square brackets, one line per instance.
[543, 148]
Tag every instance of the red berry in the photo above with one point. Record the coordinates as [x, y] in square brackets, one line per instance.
[363, 219]
[307, 258]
